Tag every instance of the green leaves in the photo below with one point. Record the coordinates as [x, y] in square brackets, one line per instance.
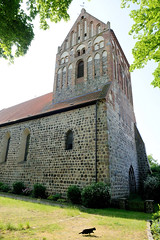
[146, 29]
[16, 28]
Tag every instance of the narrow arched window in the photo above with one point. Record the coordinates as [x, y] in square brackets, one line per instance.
[80, 69]
[5, 147]
[69, 140]
[132, 181]
[26, 147]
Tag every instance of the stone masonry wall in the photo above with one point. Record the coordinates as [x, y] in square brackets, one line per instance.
[48, 162]
[121, 141]
[144, 168]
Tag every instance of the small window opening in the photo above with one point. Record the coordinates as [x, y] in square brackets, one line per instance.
[83, 51]
[78, 53]
[27, 147]
[69, 140]
[80, 69]
[7, 149]
[82, 17]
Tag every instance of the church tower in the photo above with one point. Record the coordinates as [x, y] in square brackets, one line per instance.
[89, 57]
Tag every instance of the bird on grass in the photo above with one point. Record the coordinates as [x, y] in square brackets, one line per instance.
[88, 231]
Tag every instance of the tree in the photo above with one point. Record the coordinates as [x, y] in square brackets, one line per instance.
[146, 29]
[155, 167]
[153, 162]
[16, 22]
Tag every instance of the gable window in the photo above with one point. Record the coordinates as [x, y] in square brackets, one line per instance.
[69, 140]
[80, 69]
[83, 51]
[78, 53]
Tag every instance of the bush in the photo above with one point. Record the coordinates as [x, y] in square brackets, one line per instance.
[155, 227]
[18, 187]
[39, 191]
[5, 188]
[152, 188]
[74, 194]
[96, 195]
[1, 185]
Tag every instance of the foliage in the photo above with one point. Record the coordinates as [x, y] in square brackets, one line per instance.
[74, 194]
[97, 195]
[39, 191]
[152, 188]
[156, 216]
[1, 184]
[4, 187]
[54, 197]
[18, 187]
[153, 162]
[146, 29]
[155, 227]
[17, 18]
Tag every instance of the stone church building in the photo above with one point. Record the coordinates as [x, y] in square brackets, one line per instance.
[85, 130]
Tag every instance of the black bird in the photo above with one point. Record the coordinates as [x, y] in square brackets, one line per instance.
[88, 231]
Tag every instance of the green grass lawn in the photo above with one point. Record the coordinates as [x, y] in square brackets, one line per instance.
[20, 220]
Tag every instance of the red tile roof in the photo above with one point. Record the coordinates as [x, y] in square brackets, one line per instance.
[44, 104]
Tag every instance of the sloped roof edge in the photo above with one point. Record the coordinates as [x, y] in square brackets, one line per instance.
[43, 106]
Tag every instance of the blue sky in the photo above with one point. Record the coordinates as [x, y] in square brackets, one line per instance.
[33, 74]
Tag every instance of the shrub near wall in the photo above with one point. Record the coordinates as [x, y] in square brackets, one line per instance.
[18, 187]
[74, 194]
[96, 195]
[152, 188]
[39, 191]
[155, 227]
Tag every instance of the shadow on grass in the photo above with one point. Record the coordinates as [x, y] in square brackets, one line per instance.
[118, 213]
[90, 236]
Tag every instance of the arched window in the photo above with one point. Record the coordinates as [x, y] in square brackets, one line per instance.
[59, 74]
[24, 147]
[132, 181]
[27, 147]
[104, 62]
[69, 76]
[78, 53]
[63, 77]
[83, 51]
[5, 147]
[80, 69]
[69, 140]
[97, 65]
